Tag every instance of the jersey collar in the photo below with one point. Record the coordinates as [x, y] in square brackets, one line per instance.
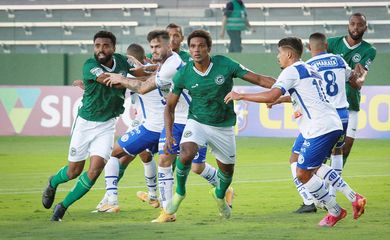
[110, 69]
[205, 73]
[349, 47]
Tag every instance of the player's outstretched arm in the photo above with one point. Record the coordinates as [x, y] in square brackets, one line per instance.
[169, 117]
[281, 99]
[258, 79]
[263, 97]
[138, 85]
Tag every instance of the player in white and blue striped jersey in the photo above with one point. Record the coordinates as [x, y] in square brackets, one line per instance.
[318, 123]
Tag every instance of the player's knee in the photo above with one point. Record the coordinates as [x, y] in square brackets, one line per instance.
[303, 175]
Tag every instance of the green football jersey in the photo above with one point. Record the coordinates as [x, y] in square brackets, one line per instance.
[363, 53]
[101, 103]
[209, 89]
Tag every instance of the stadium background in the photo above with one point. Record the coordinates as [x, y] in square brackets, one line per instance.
[44, 43]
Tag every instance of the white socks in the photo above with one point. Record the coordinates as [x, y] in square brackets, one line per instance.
[337, 165]
[150, 172]
[316, 187]
[165, 184]
[111, 172]
[305, 195]
[210, 174]
[335, 180]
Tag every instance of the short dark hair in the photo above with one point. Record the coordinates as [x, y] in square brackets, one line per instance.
[174, 25]
[137, 51]
[162, 34]
[318, 36]
[202, 34]
[358, 14]
[105, 34]
[293, 43]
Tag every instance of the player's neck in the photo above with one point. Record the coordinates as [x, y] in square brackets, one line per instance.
[110, 63]
[351, 42]
[203, 65]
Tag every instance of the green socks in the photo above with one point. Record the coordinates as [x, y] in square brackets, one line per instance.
[181, 176]
[80, 189]
[60, 177]
[122, 169]
[224, 180]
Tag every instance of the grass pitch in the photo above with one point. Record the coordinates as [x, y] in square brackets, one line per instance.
[265, 197]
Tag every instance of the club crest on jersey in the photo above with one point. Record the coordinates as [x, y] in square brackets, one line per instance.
[187, 134]
[124, 138]
[356, 58]
[73, 151]
[219, 80]
[301, 159]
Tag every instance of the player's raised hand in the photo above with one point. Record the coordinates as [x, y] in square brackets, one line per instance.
[169, 143]
[231, 96]
[133, 61]
[78, 83]
[113, 79]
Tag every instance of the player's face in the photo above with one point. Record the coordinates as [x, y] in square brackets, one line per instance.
[103, 50]
[282, 57]
[198, 49]
[159, 48]
[175, 38]
[356, 27]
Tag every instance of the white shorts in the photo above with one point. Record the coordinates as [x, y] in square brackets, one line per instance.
[91, 139]
[221, 139]
[352, 124]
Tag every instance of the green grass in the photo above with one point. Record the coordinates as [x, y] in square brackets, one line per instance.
[265, 197]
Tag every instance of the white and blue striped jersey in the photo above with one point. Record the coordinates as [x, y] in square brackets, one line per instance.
[313, 112]
[151, 110]
[164, 84]
[335, 72]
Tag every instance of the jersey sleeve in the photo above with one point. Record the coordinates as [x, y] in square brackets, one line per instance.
[348, 69]
[178, 83]
[91, 70]
[238, 69]
[287, 79]
[368, 58]
[165, 75]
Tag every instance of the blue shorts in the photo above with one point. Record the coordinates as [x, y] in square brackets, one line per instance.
[315, 150]
[343, 114]
[177, 132]
[138, 140]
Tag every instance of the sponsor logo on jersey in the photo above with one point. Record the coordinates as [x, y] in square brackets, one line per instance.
[327, 62]
[96, 71]
[194, 86]
[187, 134]
[219, 80]
[356, 58]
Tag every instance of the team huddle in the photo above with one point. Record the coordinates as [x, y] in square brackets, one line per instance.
[187, 107]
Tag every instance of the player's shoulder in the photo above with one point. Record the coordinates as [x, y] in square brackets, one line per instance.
[120, 57]
[221, 60]
[335, 39]
[368, 46]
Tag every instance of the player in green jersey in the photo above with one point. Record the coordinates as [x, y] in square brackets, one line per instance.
[93, 129]
[355, 51]
[210, 121]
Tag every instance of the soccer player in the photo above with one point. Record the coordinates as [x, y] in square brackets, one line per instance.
[210, 121]
[354, 50]
[319, 124]
[141, 139]
[170, 63]
[335, 72]
[93, 129]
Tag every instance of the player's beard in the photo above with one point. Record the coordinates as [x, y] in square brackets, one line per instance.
[356, 37]
[104, 60]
